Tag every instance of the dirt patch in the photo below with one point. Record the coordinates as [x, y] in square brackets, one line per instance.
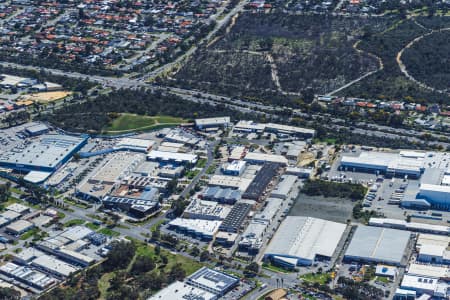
[333, 209]
[47, 96]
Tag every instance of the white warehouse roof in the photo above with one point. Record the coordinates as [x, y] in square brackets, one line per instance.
[435, 188]
[212, 121]
[304, 238]
[182, 291]
[262, 157]
[172, 156]
[135, 144]
[376, 244]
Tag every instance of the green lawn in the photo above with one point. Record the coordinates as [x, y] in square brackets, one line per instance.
[29, 233]
[74, 222]
[275, 268]
[189, 265]
[211, 169]
[192, 173]
[382, 279]
[201, 163]
[320, 278]
[17, 191]
[92, 226]
[110, 232]
[131, 122]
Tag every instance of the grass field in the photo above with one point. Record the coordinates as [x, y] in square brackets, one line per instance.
[92, 226]
[320, 278]
[189, 265]
[132, 122]
[110, 232]
[275, 268]
[29, 233]
[74, 222]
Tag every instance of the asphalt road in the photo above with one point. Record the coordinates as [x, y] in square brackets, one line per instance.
[210, 160]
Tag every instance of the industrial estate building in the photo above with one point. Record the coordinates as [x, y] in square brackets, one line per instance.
[262, 158]
[36, 129]
[133, 144]
[284, 187]
[411, 226]
[378, 245]
[212, 123]
[109, 175]
[144, 204]
[250, 126]
[433, 249]
[198, 228]
[205, 284]
[262, 179]
[302, 240]
[221, 195]
[181, 290]
[391, 164]
[213, 281]
[433, 190]
[46, 154]
[206, 210]
[252, 238]
[172, 157]
[236, 217]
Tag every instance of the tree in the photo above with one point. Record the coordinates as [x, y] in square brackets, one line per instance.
[9, 294]
[120, 255]
[204, 255]
[195, 251]
[308, 95]
[156, 234]
[178, 207]
[251, 269]
[176, 273]
[142, 264]
[5, 193]
[152, 280]
[164, 259]
[124, 292]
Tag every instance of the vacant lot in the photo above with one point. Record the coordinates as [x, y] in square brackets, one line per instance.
[333, 209]
[46, 97]
[131, 122]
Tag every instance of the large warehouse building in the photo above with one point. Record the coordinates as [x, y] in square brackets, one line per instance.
[46, 154]
[302, 240]
[391, 164]
[378, 245]
[212, 122]
[437, 195]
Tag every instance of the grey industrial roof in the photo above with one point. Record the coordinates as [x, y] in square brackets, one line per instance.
[305, 237]
[216, 192]
[285, 185]
[261, 180]
[236, 216]
[213, 280]
[37, 128]
[378, 244]
[49, 151]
